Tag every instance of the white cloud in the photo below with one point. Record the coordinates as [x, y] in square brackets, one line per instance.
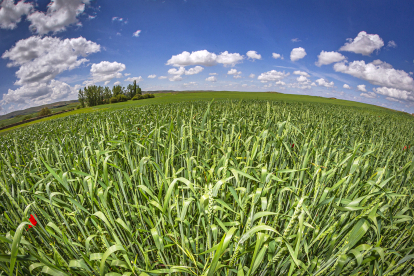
[233, 72]
[136, 34]
[190, 83]
[59, 15]
[280, 83]
[393, 99]
[127, 74]
[253, 55]
[35, 94]
[325, 58]
[117, 83]
[252, 76]
[204, 58]
[195, 70]
[212, 79]
[392, 44]
[41, 59]
[176, 78]
[152, 76]
[411, 73]
[301, 73]
[213, 74]
[313, 84]
[297, 53]
[276, 56]
[10, 14]
[138, 79]
[362, 88]
[395, 93]
[272, 75]
[370, 95]
[231, 59]
[346, 86]
[363, 44]
[105, 71]
[236, 74]
[295, 40]
[162, 77]
[377, 73]
[174, 71]
[244, 85]
[302, 79]
[323, 82]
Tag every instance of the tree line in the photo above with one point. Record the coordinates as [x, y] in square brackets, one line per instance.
[96, 95]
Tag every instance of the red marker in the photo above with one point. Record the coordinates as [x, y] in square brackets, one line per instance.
[33, 221]
[293, 145]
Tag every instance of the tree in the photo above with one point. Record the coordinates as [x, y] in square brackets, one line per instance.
[81, 97]
[138, 90]
[45, 111]
[107, 94]
[117, 90]
[130, 90]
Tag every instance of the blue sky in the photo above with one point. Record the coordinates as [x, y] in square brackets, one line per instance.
[354, 50]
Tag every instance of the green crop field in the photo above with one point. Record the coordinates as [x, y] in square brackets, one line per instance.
[296, 186]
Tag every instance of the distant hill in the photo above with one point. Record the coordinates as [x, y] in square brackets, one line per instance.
[35, 109]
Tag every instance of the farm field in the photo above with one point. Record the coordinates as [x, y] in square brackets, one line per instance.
[258, 184]
[196, 96]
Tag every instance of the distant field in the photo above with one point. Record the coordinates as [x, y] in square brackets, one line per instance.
[19, 118]
[162, 98]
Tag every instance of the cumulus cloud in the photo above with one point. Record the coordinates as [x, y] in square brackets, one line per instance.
[323, 82]
[105, 71]
[174, 71]
[395, 93]
[117, 83]
[41, 59]
[152, 76]
[204, 58]
[272, 75]
[346, 86]
[302, 79]
[253, 55]
[393, 99]
[35, 94]
[137, 79]
[297, 53]
[370, 95]
[252, 75]
[212, 79]
[176, 78]
[59, 15]
[236, 74]
[377, 73]
[301, 73]
[195, 70]
[362, 88]
[325, 58]
[190, 83]
[276, 56]
[162, 77]
[136, 34]
[11, 14]
[280, 83]
[392, 44]
[363, 44]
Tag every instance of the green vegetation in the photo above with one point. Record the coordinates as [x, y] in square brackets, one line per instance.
[45, 111]
[98, 95]
[224, 188]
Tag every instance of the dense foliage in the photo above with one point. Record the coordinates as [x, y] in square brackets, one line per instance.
[96, 95]
[45, 111]
[226, 188]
